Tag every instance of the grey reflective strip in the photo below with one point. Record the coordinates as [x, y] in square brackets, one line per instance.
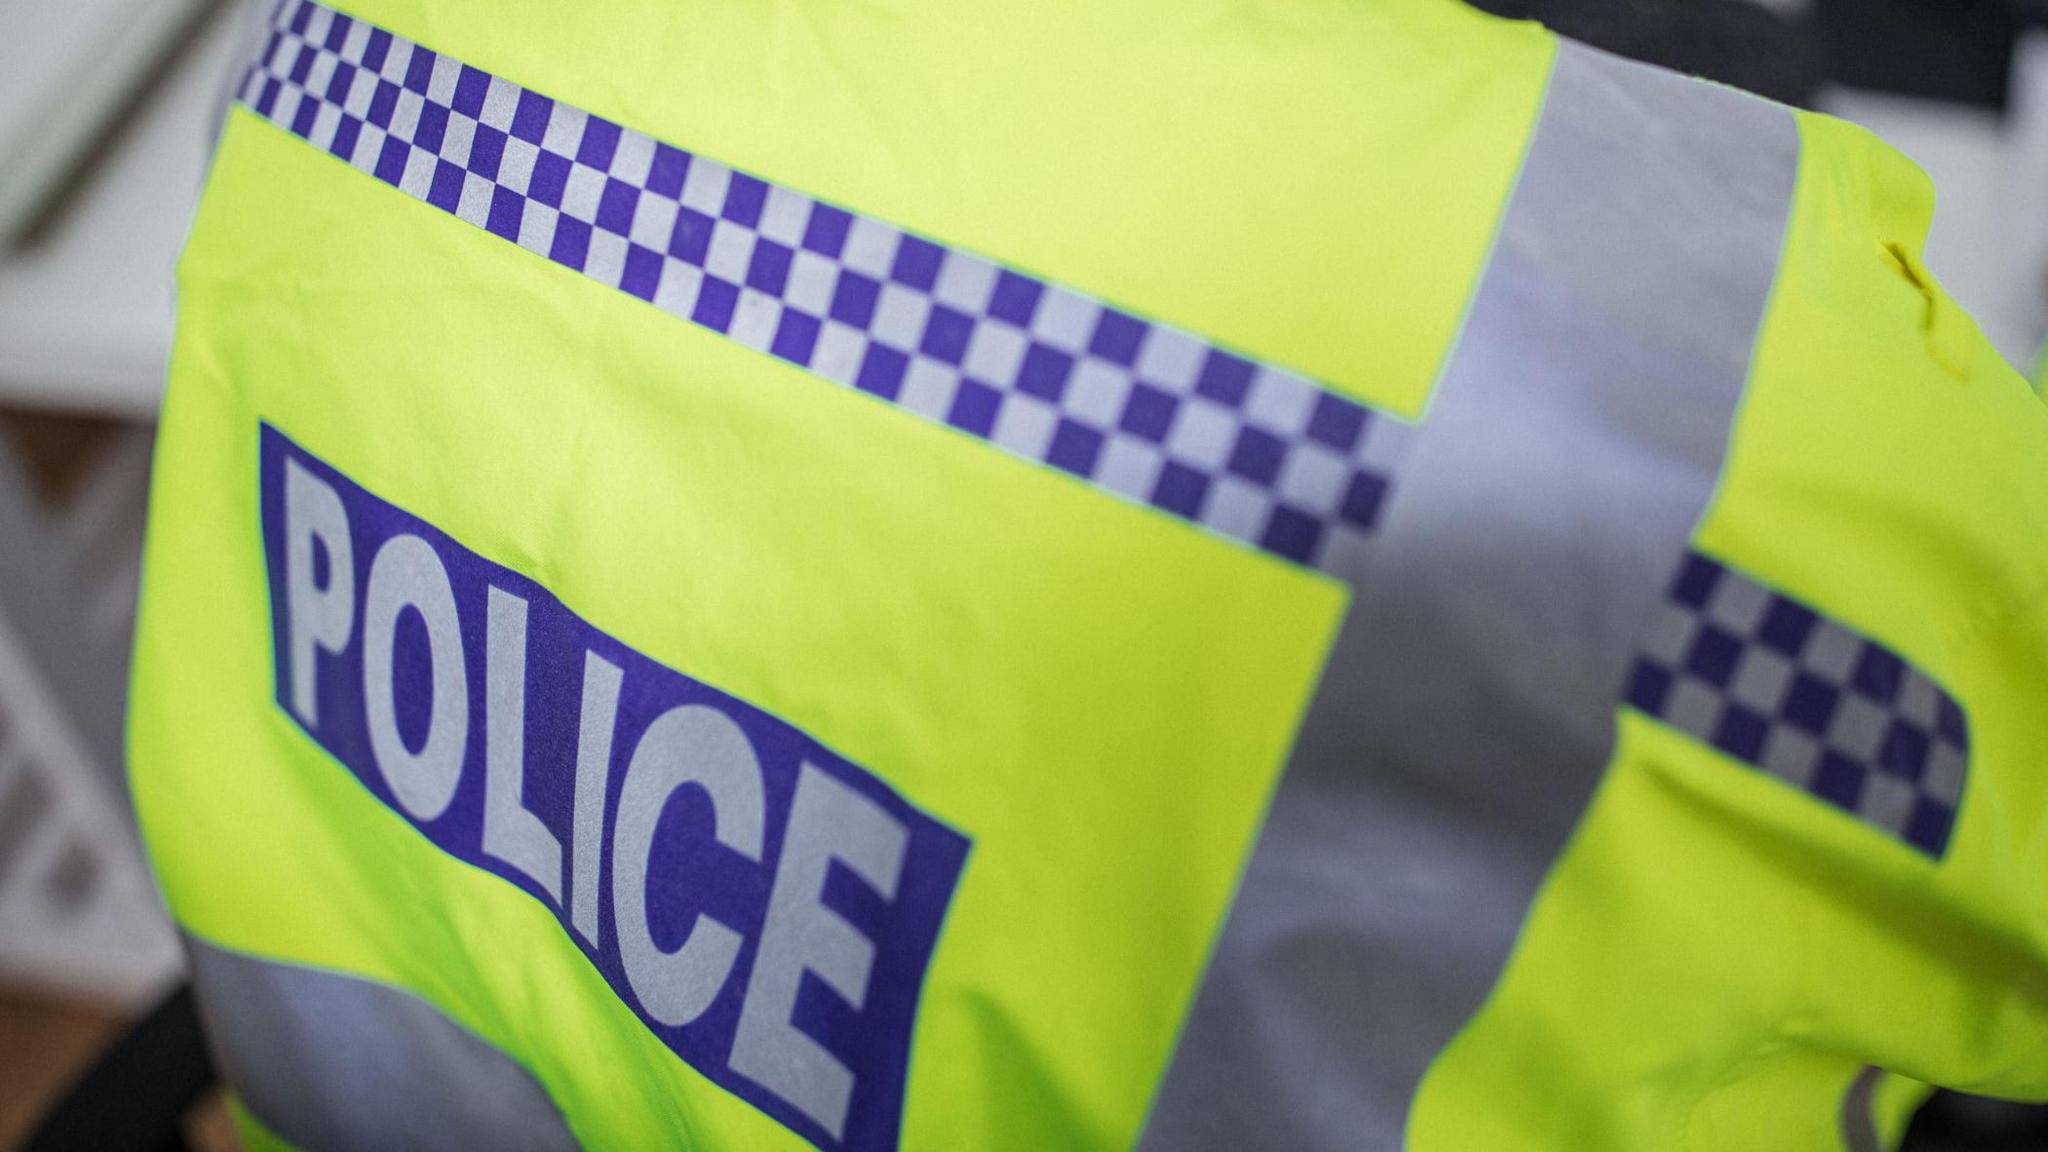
[1859, 1123]
[328, 1061]
[1468, 708]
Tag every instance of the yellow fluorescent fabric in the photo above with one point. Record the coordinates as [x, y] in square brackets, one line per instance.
[1316, 183]
[1098, 696]
[1717, 953]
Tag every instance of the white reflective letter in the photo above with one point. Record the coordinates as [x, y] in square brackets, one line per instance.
[693, 744]
[593, 769]
[320, 616]
[512, 833]
[408, 574]
[827, 821]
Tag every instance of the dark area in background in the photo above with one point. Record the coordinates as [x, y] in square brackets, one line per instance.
[1954, 50]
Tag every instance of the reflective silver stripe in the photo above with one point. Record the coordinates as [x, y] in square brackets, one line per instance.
[1859, 1122]
[331, 1062]
[1468, 708]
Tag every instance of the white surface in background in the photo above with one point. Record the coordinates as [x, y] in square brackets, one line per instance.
[65, 68]
[85, 314]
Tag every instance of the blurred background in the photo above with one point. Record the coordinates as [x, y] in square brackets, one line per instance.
[108, 109]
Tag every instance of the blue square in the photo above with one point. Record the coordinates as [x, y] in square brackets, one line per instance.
[1696, 580]
[744, 196]
[1648, 686]
[881, 371]
[615, 206]
[530, 118]
[432, 130]
[974, 407]
[1148, 413]
[796, 337]
[337, 32]
[572, 242]
[1074, 448]
[1015, 298]
[1257, 455]
[1044, 372]
[508, 209]
[345, 134]
[1929, 827]
[1904, 751]
[419, 70]
[666, 171]
[716, 300]
[853, 299]
[1949, 722]
[376, 49]
[600, 141]
[1225, 378]
[945, 334]
[302, 66]
[391, 162]
[1878, 674]
[1787, 626]
[338, 84]
[1714, 656]
[825, 233]
[383, 102]
[1839, 781]
[1180, 490]
[1292, 534]
[1336, 422]
[1810, 704]
[642, 274]
[302, 121]
[486, 151]
[301, 18]
[1117, 337]
[470, 87]
[690, 240]
[1364, 500]
[768, 270]
[1741, 733]
[917, 263]
[446, 191]
[266, 100]
[549, 179]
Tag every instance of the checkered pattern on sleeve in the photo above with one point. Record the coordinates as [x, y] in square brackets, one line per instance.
[1131, 406]
[1773, 683]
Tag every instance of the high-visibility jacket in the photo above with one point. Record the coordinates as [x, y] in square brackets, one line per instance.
[1280, 574]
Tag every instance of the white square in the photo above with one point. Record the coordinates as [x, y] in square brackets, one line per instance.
[1171, 359]
[287, 107]
[1096, 392]
[730, 251]
[928, 388]
[475, 204]
[1791, 755]
[839, 351]
[537, 227]
[1887, 801]
[870, 247]
[515, 165]
[995, 352]
[565, 130]
[1670, 636]
[1129, 466]
[321, 23]
[1831, 652]
[501, 103]
[283, 56]
[633, 159]
[677, 293]
[1313, 479]
[704, 186]
[783, 216]
[582, 192]
[356, 42]
[361, 91]
[1024, 425]
[1236, 509]
[1738, 604]
[1857, 727]
[1065, 319]
[397, 62]
[325, 122]
[965, 282]
[755, 319]
[369, 148]
[1280, 401]
[811, 281]
[654, 221]
[321, 74]
[441, 81]
[456, 140]
[1761, 678]
[405, 115]
[1202, 435]
[418, 178]
[605, 261]
[900, 315]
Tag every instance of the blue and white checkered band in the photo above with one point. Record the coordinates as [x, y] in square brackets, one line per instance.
[1773, 683]
[1131, 406]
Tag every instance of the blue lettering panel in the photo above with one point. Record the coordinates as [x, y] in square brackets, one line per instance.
[692, 878]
